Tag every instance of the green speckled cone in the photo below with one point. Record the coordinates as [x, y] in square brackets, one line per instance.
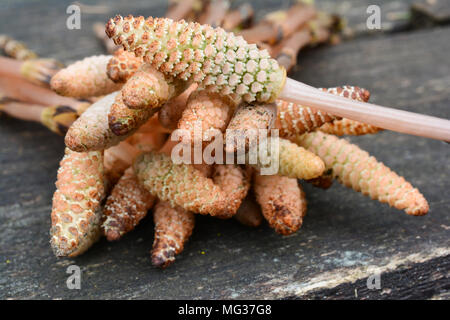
[216, 59]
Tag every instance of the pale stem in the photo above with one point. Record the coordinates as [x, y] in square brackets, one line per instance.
[10, 67]
[383, 117]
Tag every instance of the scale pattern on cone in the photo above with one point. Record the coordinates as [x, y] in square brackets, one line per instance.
[126, 206]
[124, 121]
[122, 66]
[173, 227]
[179, 184]
[293, 119]
[349, 127]
[247, 123]
[171, 112]
[149, 88]
[210, 56]
[76, 210]
[282, 201]
[358, 170]
[91, 130]
[209, 111]
[293, 160]
[85, 78]
[235, 183]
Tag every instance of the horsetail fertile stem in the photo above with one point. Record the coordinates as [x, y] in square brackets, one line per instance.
[38, 71]
[228, 64]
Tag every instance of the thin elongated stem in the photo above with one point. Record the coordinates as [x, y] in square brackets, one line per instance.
[38, 71]
[286, 53]
[10, 67]
[23, 111]
[23, 90]
[383, 117]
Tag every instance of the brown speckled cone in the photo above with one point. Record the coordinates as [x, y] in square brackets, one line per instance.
[179, 184]
[149, 88]
[358, 170]
[235, 183]
[76, 210]
[282, 201]
[122, 66]
[173, 227]
[126, 206]
[349, 127]
[246, 122]
[293, 119]
[85, 78]
[351, 92]
[210, 111]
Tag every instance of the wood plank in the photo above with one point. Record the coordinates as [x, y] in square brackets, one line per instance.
[429, 13]
[345, 236]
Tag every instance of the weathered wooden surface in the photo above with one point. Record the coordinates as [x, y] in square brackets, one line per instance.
[345, 238]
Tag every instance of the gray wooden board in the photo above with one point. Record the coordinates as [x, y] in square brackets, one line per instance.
[345, 238]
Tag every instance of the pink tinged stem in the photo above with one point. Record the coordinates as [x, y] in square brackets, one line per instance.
[10, 67]
[383, 117]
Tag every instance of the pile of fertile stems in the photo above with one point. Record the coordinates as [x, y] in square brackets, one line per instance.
[117, 166]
